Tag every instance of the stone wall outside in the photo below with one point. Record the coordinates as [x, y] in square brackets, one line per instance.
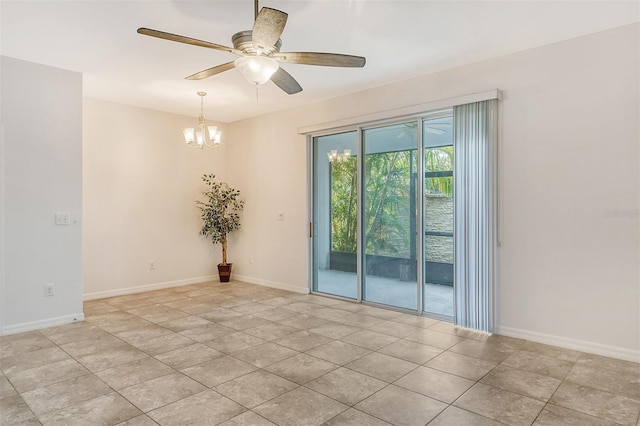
[439, 218]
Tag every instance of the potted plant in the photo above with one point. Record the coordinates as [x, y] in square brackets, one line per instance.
[220, 215]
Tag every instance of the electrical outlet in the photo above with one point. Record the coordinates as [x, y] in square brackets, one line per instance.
[152, 265]
[280, 216]
[250, 259]
[49, 290]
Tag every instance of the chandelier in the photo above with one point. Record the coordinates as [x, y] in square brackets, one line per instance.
[339, 157]
[202, 135]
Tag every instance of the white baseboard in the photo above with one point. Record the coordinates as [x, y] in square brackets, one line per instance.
[147, 287]
[567, 343]
[37, 325]
[272, 284]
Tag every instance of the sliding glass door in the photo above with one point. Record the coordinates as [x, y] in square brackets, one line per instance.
[390, 216]
[335, 200]
[438, 216]
[383, 214]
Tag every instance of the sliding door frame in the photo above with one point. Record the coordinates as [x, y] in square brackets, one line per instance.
[419, 120]
[360, 214]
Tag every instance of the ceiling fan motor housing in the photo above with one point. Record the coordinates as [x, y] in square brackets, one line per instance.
[243, 42]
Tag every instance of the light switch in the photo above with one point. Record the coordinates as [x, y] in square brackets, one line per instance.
[280, 216]
[63, 218]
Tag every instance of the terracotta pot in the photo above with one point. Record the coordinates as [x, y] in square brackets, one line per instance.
[224, 271]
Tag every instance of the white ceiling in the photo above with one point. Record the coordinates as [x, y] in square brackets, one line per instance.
[400, 39]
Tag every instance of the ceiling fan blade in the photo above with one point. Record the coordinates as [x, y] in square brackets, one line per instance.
[283, 80]
[186, 40]
[268, 27]
[323, 59]
[434, 130]
[211, 71]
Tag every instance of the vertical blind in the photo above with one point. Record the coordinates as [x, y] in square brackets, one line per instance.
[475, 145]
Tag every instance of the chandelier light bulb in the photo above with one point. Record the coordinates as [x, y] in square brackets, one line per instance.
[188, 135]
[340, 157]
[212, 132]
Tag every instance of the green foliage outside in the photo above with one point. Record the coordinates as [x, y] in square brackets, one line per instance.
[438, 160]
[343, 205]
[387, 199]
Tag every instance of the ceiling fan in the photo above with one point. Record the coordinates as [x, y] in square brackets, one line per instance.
[259, 51]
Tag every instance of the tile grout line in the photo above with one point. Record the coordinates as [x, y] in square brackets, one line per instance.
[241, 295]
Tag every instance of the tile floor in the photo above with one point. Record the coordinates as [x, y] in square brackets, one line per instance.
[238, 354]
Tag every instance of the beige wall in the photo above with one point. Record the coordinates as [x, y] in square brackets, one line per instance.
[140, 185]
[569, 153]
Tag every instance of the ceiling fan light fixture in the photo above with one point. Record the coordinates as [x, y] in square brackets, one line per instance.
[256, 70]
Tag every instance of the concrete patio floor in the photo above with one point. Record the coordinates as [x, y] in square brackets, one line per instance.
[387, 291]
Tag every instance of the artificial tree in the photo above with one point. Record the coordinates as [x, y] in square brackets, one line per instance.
[220, 216]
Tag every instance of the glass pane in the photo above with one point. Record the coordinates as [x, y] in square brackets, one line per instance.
[390, 233]
[335, 214]
[438, 216]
